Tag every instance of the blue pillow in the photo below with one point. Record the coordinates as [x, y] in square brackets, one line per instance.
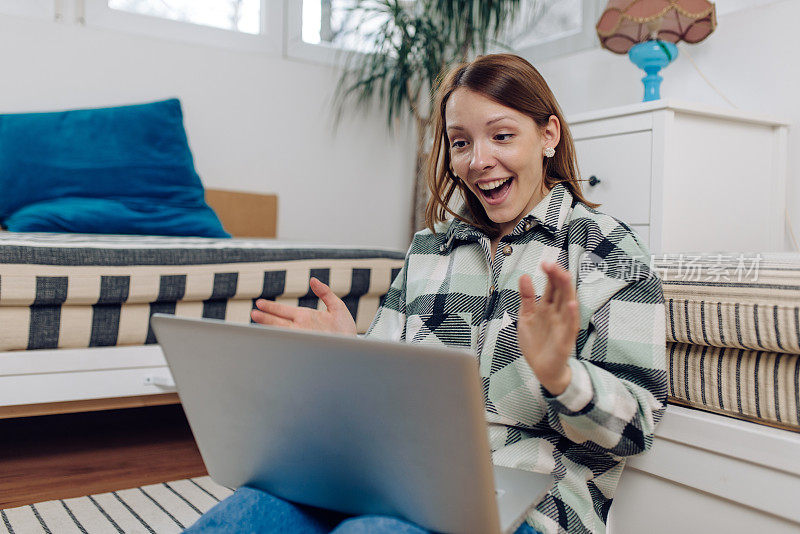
[107, 167]
[109, 216]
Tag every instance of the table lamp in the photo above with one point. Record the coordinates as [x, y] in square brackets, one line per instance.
[648, 30]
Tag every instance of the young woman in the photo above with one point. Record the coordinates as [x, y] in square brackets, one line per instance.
[574, 379]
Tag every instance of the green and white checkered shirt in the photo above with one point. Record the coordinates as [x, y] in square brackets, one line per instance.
[449, 292]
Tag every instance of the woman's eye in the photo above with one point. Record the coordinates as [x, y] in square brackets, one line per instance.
[459, 144]
[503, 136]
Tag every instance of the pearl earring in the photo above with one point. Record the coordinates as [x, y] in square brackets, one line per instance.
[549, 152]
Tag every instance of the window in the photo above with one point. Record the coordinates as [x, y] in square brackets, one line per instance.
[553, 20]
[560, 27]
[320, 30]
[240, 24]
[340, 23]
[235, 15]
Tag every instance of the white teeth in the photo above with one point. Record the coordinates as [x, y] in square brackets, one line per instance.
[491, 185]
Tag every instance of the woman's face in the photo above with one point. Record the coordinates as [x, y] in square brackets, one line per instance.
[498, 153]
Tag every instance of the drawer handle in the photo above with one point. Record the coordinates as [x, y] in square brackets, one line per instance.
[593, 180]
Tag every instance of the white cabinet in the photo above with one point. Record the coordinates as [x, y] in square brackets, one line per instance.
[686, 177]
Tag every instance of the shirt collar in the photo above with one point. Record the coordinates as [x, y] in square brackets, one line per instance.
[550, 214]
[553, 210]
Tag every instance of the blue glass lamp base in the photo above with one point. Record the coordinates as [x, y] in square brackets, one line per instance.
[651, 57]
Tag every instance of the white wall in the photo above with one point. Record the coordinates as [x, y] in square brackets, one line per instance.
[255, 121]
[258, 122]
[751, 58]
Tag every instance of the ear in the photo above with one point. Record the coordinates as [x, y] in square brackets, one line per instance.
[552, 131]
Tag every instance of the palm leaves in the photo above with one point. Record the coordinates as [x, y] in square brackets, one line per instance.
[473, 24]
[414, 44]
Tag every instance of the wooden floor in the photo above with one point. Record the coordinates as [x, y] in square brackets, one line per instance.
[62, 456]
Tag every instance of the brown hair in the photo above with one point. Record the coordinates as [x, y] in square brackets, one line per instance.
[513, 82]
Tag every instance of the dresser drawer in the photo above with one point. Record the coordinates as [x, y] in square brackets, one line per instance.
[623, 165]
[686, 176]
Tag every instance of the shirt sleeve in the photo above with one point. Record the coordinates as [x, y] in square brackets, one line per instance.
[389, 322]
[618, 389]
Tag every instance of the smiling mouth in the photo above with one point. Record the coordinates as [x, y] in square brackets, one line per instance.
[496, 194]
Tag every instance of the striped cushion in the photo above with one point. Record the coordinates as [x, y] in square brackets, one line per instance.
[157, 508]
[735, 300]
[733, 332]
[69, 290]
[754, 385]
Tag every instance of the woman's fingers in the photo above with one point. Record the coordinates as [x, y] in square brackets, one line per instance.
[548, 290]
[277, 308]
[556, 277]
[573, 316]
[326, 295]
[565, 293]
[269, 319]
[336, 319]
[527, 295]
[559, 289]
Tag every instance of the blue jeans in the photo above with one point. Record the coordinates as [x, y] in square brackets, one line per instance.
[250, 510]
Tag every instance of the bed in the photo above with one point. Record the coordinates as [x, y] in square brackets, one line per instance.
[75, 308]
[75, 303]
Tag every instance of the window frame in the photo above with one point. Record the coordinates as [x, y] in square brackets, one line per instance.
[584, 39]
[96, 13]
[329, 54]
[297, 48]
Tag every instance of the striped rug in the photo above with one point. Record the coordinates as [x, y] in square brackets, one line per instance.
[155, 509]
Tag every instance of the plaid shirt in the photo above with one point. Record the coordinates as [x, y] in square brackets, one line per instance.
[451, 292]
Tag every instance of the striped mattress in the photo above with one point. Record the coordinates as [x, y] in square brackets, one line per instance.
[156, 509]
[733, 320]
[80, 290]
[733, 334]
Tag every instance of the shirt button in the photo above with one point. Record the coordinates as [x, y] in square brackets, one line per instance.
[493, 289]
[441, 248]
[507, 250]
[527, 226]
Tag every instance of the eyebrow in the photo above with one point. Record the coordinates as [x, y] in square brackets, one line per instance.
[488, 123]
[498, 119]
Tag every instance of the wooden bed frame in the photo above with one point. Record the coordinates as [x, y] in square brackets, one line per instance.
[245, 214]
[46, 382]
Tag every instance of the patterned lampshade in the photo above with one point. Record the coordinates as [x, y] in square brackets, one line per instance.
[625, 23]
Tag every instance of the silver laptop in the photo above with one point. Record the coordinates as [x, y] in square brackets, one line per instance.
[348, 424]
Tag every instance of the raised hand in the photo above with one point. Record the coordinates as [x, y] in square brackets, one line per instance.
[548, 330]
[335, 319]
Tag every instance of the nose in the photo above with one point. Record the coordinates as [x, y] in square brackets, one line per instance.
[482, 157]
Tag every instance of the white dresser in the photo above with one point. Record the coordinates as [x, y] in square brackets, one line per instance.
[686, 177]
[689, 178]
